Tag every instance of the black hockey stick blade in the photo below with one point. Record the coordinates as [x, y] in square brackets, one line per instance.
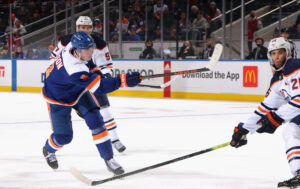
[86, 180]
[162, 86]
[209, 67]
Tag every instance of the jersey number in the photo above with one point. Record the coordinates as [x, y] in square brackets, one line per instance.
[295, 82]
[107, 56]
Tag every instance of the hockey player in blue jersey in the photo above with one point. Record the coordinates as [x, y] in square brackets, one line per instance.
[101, 63]
[70, 84]
[284, 90]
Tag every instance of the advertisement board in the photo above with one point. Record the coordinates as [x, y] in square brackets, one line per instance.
[5, 75]
[31, 74]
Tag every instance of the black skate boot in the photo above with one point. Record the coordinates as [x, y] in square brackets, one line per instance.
[291, 183]
[119, 146]
[50, 158]
[114, 167]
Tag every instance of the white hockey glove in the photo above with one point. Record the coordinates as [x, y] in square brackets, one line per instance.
[106, 72]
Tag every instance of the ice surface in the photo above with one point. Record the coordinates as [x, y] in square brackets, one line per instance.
[154, 130]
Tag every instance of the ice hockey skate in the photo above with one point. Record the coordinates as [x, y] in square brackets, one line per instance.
[291, 183]
[114, 167]
[118, 145]
[50, 158]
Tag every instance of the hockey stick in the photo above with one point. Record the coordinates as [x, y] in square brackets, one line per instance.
[162, 86]
[86, 180]
[210, 66]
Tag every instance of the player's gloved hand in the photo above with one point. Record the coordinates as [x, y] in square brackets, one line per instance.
[239, 136]
[130, 79]
[106, 72]
[269, 123]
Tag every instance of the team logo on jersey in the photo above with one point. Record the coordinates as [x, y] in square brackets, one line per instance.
[285, 95]
[2, 71]
[250, 76]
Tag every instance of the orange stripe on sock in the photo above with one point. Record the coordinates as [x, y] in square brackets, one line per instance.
[111, 124]
[296, 152]
[100, 135]
[52, 143]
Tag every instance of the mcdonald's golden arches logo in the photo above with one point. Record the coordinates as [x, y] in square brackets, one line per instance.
[250, 76]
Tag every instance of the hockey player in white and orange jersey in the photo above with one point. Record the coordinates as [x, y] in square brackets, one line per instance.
[101, 63]
[70, 85]
[270, 114]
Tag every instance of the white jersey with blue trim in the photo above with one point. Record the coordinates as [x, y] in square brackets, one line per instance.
[283, 96]
[67, 78]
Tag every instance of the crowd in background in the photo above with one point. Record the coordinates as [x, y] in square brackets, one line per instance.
[189, 21]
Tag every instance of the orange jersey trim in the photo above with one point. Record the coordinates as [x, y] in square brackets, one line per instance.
[262, 110]
[102, 48]
[57, 102]
[274, 84]
[296, 100]
[93, 83]
[291, 73]
[100, 135]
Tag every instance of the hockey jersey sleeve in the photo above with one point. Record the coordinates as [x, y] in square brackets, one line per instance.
[272, 102]
[94, 83]
[60, 46]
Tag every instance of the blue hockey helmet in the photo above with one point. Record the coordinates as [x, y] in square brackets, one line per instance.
[81, 40]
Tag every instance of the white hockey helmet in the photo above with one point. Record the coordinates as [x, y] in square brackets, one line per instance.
[279, 43]
[83, 21]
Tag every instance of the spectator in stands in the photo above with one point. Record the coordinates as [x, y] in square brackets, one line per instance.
[19, 54]
[33, 52]
[276, 33]
[294, 50]
[208, 51]
[213, 13]
[148, 52]
[157, 34]
[296, 35]
[194, 13]
[124, 25]
[98, 26]
[157, 7]
[138, 24]
[132, 35]
[199, 26]
[45, 53]
[260, 52]
[184, 26]
[254, 24]
[115, 37]
[19, 28]
[173, 35]
[36, 16]
[23, 14]
[5, 53]
[186, 50]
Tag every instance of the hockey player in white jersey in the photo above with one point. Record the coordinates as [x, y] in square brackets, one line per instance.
[270, 114]
[101, 63]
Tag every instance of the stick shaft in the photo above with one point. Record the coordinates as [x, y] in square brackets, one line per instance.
[160, 164]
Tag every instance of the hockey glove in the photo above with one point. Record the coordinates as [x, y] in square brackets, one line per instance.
[239, 136]
[106, 72]
[130, 79]
[269, 123]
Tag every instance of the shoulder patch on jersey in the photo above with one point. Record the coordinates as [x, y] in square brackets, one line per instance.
[292, 65]
[84, 77]
[65, 39]
[100, 43]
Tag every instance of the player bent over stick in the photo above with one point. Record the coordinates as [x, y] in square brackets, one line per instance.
[100, 63]
[69, 84]
[284, 88]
